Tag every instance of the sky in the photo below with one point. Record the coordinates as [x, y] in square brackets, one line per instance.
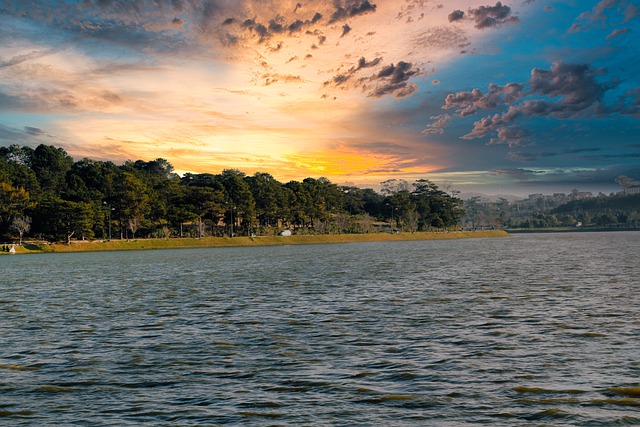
[514, 97]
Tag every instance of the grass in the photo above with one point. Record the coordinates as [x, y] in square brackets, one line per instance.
[213, 242]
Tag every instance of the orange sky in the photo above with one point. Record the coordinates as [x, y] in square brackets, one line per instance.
[353, 90]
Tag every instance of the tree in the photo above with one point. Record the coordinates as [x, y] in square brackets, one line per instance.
[326, 198]
[299, 202]
[13, 203]
[22, 225]
[51, 165]
[393, 186]
[269, 198]
[204, 202]
[134, 225]
[239, 197]
[12, 200]
[436, 208]
[15, 169]
[411, 221]
[353, 200]
[59, 219]
[130, 200]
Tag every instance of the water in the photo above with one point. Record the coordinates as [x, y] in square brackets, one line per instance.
[530, 330]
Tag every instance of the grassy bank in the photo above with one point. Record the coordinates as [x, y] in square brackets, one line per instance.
[213, 242]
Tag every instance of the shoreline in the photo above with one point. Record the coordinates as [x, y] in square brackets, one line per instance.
[242, 241]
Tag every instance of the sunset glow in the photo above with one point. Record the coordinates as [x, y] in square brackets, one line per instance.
[509, 96]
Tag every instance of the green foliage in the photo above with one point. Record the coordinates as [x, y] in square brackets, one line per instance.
[66, 200]
[613, 211]
[60, 220]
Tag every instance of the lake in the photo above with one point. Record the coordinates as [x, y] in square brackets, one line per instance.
[529, 330]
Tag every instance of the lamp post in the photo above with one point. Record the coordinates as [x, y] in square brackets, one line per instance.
[231, 208]
[392, 209]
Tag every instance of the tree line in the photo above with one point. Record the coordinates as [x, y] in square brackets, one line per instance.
[45, 194]
[616, 210]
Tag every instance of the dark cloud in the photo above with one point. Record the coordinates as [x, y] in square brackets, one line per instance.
[576, 86]
[486, 16]
[469, 103]
[279, 25]
[317, 17]
[142, 25]
[341, 79]
[512, 136]
[346, 29]
[564, 91]
[390, 80]
[345, 9]
[394, 79]
[33, 131]
[27, 135]
[456, 15]
[492, 16]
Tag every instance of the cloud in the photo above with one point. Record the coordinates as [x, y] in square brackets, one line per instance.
[440, 37]
[599, 11]
[346, 29]
[33, 131]
[485, 17]
[266, 20]
[564, 91]
[345, 9]
[617, 33]
[19, 59]
[575, 84]
[606, 13]
[28, 135]
[517, 173]
[511, 136]
[392, 79]
[269, 79]
[631, 12]
[437, 127]
[343, 78]
[492, 16]
[456, 15]
[469, 103]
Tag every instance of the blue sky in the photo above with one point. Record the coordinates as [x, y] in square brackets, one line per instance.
[494, 97]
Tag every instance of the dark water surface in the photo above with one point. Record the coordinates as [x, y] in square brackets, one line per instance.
[530, 330]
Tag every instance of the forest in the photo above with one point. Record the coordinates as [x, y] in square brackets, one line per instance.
[46, 195]
[613, 211]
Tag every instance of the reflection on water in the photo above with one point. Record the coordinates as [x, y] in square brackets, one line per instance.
[527, 330]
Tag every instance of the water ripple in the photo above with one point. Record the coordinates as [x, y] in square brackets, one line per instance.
[530, 330]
